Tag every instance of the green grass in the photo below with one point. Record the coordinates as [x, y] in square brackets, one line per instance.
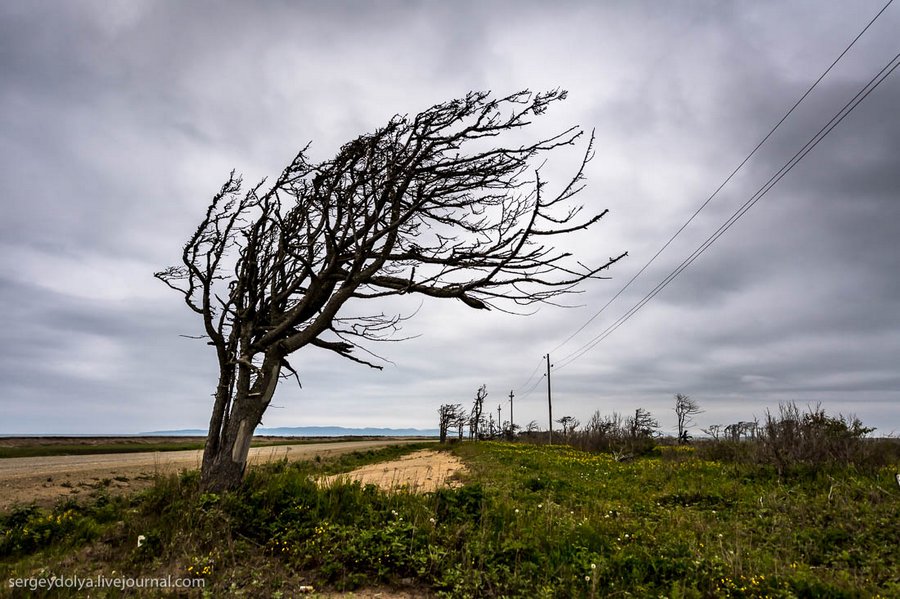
[679, 526]
[531, 521]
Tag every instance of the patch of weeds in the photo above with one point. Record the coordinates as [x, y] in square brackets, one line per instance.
[28, 529]
[463, 505]
[694, 499]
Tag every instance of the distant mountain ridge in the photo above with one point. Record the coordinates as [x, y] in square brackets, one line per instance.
[311, 431]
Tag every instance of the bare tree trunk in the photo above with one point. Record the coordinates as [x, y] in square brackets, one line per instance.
[227, 446]
[216, 421]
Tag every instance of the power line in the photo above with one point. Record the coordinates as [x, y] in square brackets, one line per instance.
[824, 131]
[725, 182]
[867, 89]
[533, 372]
[533, 387]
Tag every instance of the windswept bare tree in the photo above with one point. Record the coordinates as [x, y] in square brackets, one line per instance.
[685, 409]
[435, 204]
[642, 425]
[743, 429]
[476, 415]
[569, 424]
[714, 431]
[449, 416]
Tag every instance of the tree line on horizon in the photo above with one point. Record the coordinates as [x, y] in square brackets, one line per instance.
[785, 439]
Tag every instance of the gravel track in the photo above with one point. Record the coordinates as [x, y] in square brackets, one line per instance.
[45, 480]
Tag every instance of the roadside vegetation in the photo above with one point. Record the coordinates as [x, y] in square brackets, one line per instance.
[712, 519]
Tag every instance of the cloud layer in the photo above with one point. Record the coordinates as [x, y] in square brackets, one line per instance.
[119, 121]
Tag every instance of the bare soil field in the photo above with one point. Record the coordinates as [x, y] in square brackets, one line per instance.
[45, 480]
[92, 441]
[422, 472]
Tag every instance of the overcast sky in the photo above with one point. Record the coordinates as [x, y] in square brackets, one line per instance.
[119, 120]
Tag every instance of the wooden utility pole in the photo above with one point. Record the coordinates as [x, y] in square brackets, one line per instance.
[549, 401]
[499, 420]
[511, 411]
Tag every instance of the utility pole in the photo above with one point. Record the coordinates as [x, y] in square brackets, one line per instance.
[511, 411]
[499, 420]
[549, 401]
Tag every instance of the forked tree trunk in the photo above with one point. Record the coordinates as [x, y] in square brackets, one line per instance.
[231, 430]
[223, 468]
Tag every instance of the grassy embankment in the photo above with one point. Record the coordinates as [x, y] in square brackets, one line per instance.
[531, 521]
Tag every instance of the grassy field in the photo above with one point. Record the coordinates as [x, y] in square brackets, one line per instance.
[531, 521]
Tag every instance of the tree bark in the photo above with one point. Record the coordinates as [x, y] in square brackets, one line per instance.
[227, 447]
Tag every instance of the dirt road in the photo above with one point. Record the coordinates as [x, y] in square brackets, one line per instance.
[47, 479]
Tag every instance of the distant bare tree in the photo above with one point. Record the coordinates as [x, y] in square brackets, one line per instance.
[510, 430]
[532, 427]
[685, 409]
[742, 430]
[433, 204]
[569, 424]
[460, 425]
[476, 416]
[449, 416]
[714, 431]
[641, 425]
[640, 432]
[611, 425]
[603, 433]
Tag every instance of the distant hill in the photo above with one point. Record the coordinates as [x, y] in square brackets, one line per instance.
[312, 431]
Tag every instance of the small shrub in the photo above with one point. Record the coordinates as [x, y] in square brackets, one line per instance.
[465, 504]
[28, 529]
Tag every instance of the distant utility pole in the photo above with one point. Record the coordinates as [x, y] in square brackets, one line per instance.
[499, 420]
[549, 401]
[511, 410]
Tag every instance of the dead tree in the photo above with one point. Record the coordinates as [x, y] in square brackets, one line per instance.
[742, 430]
[641, 425]
[448, 417]
[435, 204]
[640, 430]
[714, 431]
[685, 408]
[569, 424]
[476, 416]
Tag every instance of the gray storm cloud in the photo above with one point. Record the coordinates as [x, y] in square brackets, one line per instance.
[119, 121]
